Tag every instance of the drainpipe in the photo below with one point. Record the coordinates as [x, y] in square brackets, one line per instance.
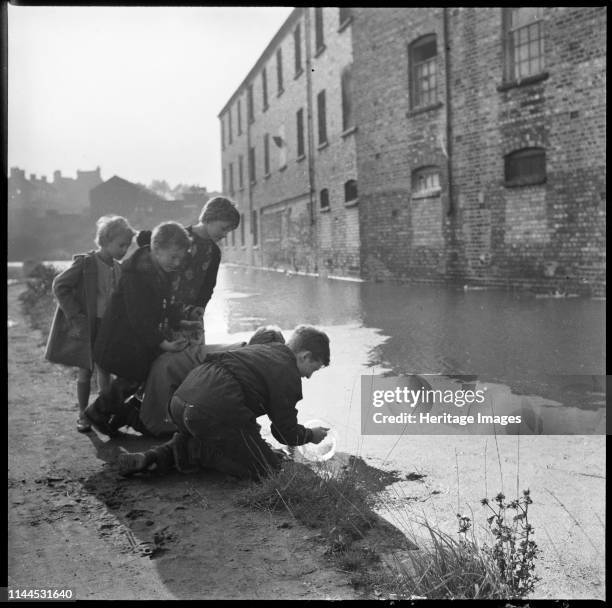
[310, 135]
[449, 130]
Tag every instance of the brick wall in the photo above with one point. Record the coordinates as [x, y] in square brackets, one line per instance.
[546, 236]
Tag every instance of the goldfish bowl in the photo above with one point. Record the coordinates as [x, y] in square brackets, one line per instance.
[318, 452]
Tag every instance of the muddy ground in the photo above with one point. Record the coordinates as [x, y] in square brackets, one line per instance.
[75, 523]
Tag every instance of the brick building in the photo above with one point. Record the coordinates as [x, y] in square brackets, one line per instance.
[437, 144]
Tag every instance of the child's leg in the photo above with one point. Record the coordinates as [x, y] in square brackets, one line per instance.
[104, 380]
[83, 388]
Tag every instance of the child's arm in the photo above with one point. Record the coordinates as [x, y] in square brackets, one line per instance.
[210, 280]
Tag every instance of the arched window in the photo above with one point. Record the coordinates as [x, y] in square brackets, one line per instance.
[350, 191]
[324, 198]
[426, 182]
[423, 55]
[525, 167]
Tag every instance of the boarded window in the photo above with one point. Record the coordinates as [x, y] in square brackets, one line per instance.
[252, 164]
[297, 48]
[266, 154]
[423, 55]
[321, 117]
[350, 190]
[319, 41]
[254, 226]
[525, 167]
[324, 198]
[347, 110]
[264, 89]
[279, 70]
[250, 111]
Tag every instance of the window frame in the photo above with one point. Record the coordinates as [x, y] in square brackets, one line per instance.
[417, 93]
[512, 73]
[350, 188]
[426, 171]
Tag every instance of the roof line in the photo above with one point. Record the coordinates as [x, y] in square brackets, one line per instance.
[294, 16]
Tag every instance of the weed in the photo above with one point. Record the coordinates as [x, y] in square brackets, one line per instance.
[37, 300]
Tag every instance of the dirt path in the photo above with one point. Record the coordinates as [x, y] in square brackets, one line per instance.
[75, 524]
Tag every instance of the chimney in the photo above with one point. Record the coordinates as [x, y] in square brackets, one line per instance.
[32, 177]
[57, 175]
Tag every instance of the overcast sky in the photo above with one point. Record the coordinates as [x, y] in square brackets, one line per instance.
[134, 90]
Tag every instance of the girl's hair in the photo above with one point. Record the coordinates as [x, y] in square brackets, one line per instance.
[220, 208]
[109, 227]
[170, 234]
[267, 334]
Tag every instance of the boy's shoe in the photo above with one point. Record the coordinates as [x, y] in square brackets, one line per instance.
[83, 425]
[98, 419]
[132, 462]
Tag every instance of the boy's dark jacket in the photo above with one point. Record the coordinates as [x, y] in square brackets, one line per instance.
[75, 290]
[198, 275]
[270, 381]
[130, 333]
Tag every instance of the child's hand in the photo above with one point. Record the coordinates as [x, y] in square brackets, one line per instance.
[318, 434]
[197, 314]
[174, 346]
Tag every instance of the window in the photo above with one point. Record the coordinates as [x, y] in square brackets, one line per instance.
[242, 229]
[321, 117]
[266, 154]
[350, 191]
[300, 132]
[324, 198]
[319, 42]
[344, 13]
[525, 167]
[231, 178]
[282, 147]
[426, 182]
[279, 70]
[224, 182]
[347, 111]
[240, 172]
[229, 126]
[252, 164]
[233, 238]
[250, 113]
[254, 226]
[239, 116]
[297, 49]
[423, 55]
[524, 42]
[222, 134]
[264, 89]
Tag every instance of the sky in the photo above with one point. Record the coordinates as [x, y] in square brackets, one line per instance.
[133, 90]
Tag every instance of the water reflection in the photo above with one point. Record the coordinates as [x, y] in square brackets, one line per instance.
[527, 343]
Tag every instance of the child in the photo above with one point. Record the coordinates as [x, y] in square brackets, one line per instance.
[198, 276]
[140, 319]
[82, 292]
[151, 417]
[216, 406]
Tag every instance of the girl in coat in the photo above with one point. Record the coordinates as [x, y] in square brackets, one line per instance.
[142, 319]
[83, 291]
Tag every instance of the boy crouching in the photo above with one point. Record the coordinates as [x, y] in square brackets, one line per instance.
[216, 406]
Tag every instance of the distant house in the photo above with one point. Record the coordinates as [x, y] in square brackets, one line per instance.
[119, 196]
